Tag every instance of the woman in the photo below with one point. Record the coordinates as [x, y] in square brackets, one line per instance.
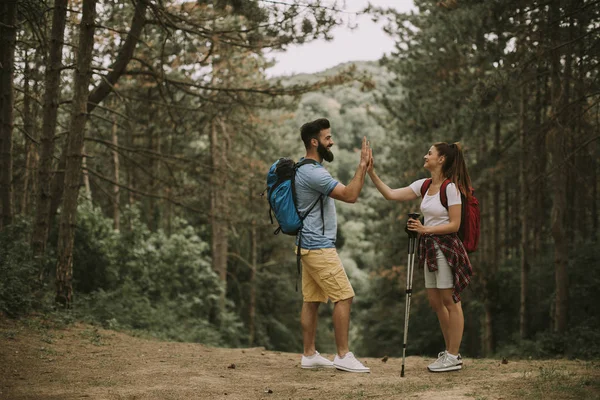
[442, 255]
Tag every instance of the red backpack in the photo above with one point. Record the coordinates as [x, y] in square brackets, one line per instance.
[469, 220]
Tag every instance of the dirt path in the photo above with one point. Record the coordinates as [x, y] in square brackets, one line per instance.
[83, 362]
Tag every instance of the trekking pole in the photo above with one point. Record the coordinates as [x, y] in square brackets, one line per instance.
[410, 266]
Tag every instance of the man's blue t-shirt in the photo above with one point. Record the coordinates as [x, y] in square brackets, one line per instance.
[312, 180]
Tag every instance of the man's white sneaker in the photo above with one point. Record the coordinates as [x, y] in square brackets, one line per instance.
[446, 363]
[349, 363]
[315, 361]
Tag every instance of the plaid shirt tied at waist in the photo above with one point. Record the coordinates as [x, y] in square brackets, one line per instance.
[455, 254]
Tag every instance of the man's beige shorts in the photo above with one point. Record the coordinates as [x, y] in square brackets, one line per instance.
[324, 277]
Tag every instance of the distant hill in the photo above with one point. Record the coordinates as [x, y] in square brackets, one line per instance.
[379, 74]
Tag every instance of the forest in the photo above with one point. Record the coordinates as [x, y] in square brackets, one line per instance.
[136, 135]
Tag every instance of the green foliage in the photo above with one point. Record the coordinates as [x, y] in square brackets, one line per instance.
[278, 303]
[583, 335]
[457, 74]
[148, 281]
[18, 271]
[453, 76]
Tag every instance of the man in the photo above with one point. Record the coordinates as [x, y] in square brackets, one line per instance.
[323, 276]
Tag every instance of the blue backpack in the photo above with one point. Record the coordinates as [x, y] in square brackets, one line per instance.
[281, 193]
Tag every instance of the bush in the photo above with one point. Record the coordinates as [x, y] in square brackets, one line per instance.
[18, 270]
[147, 281]
[582, 338]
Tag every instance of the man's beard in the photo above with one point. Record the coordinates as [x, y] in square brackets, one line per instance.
[325, 153]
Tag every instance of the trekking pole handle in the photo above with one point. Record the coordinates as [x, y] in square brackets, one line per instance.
[412, 235]
[408, 231]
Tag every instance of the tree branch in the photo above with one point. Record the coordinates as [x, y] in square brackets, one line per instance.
[124, 56]
[146, 194]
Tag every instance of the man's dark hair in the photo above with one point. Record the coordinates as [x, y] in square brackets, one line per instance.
[311, 130]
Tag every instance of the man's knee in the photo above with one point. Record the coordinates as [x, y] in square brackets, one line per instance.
[347, 301]
[312, 304]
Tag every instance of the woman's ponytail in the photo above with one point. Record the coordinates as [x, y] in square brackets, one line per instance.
[454, 167]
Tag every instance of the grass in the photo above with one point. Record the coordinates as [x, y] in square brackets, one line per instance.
[93, 335]
[10, 334]
[47, 361]
[552, 382]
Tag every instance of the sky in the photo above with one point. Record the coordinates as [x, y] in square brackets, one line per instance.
[365, 43]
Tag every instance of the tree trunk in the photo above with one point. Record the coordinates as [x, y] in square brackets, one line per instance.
[105, 86]
[252, 283]
[8, 37]
[539, 218]
[570, 142]
[594, 177]
[524, 193]
[557, 142]
[496, 196]
[49, 116]
[488, 329]
[486, 249]
[30, 148]
[218, 207]
[152, 139]
[129, 168]
[516, 220]
[57, 185]
[64, 266]
[85, 176]
[116, 190]
[507, 211]
[491, 293]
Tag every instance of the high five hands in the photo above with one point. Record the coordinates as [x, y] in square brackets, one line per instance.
[371, 163]
[365, 153]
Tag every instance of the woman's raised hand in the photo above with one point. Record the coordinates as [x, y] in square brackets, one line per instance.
[370, 165]
[364, 153]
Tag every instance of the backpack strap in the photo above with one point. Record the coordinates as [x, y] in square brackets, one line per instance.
[425, 187]
[305, 161]
[444, 194]
[299, 257]
[443, 187]
[320, 199]
[322, 214]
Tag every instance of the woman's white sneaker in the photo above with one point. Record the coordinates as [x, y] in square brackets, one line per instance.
[349, 363]
[315, 361]
[442, 353]
[446, 363]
